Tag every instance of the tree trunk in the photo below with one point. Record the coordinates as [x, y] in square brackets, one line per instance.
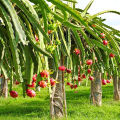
[119, 87]
[52, 92]
[57, 98]
[96, 90]
[56, 95]
[58, 107]
[64, 96]
[116, 95]
[52, 111]
[4, 88]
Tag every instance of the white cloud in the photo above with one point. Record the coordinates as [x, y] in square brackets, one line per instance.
[116, 27]
[101, 5]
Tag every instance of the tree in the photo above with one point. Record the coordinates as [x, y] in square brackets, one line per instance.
[32, 34]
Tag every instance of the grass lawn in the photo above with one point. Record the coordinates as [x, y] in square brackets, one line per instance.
[78, 106]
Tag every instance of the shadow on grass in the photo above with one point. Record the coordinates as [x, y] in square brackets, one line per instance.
[73, 95]
[107, 88]
[30, 109]
[107, 91]
[118, 115]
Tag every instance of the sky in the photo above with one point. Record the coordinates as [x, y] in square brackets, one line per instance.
[101, 5]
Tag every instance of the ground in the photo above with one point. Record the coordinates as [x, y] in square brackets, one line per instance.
[78, 106]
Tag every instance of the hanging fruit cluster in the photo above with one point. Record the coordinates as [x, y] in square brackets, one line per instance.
[40, 80]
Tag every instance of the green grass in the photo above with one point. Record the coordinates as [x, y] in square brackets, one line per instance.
[78, 106]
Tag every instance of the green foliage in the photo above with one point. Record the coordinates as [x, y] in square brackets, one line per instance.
[8, 5]
[87, 8]
[13, 45]
[28, 65]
